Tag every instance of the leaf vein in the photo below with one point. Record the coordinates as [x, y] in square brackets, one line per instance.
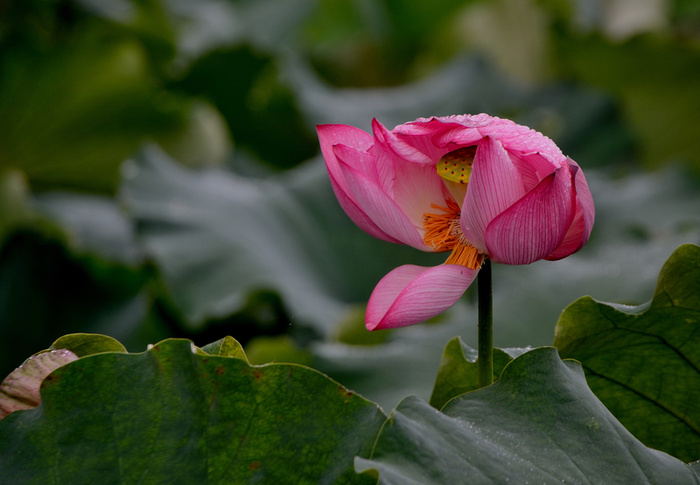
[644, 397]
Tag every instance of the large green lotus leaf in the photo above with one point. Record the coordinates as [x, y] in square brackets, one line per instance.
[173, 415]
[459, 370]
[540, 423]
[644, 362]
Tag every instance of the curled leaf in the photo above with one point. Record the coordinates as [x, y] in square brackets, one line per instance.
[20, 389]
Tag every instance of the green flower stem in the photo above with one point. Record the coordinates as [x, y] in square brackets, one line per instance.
[485, 326]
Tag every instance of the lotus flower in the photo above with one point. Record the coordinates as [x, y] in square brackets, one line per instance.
[474, 186]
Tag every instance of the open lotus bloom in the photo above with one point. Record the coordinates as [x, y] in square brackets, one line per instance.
[475, 187]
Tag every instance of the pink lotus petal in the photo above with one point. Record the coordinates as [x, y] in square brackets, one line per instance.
[331, 136]
[360, 160]
[494, 186]
[470, 129]
[583, 193]
[388, 144]
[437, 136]
[413, 186]
[465, 130]
[416, 187]
[381, 209]
[438, 124]
[366, 163]
[425, 127]
[524, 201]
[358, 216]
[412, 294]
[524, 142]
[533, 227]
[457, 136]
[581, 227]
[572, 240]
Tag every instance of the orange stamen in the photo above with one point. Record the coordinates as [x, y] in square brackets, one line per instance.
[443, 233]
[442, 230]
[464, 254]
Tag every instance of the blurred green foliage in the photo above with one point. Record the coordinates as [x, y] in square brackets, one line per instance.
[230, 227]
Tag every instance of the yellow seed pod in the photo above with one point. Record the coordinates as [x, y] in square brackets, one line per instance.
[456, 166]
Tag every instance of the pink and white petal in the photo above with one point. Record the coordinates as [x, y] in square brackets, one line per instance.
[334, 134]
[412, 294]
[525, 141]
[360, 160]
[357, 215]
[580, 230]
[426, 127]
[529, 174]
[532, 228]
[458, 136]
[573, 240]
[415, 188]
[425, 145]
[381, 209]
[541, 164]
[532, 167]
[437, 136]
[437, 124]
[495, 184]
[392, 145]
[583, 194]
[331, 135]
